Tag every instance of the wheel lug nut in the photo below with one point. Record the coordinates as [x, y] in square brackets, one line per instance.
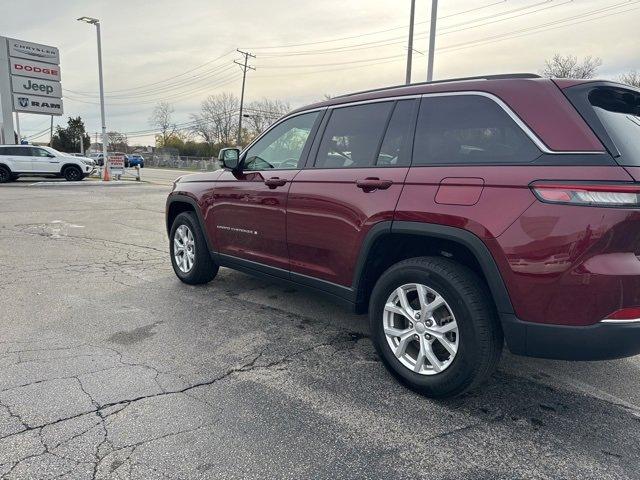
[416, 337]
[417, 316]
[410, 324]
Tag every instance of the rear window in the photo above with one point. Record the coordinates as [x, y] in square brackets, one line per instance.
[618, 110]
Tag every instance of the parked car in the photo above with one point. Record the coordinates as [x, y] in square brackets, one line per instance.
[135, 160]
[31, 160]
[458, 213]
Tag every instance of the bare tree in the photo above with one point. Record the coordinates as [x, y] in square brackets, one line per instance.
[118, 142]
[568, 66]
[630, 78]
[262, 113]
[217, 121]
[162, 118]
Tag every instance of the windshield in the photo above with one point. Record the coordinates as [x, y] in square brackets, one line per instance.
[619, 111]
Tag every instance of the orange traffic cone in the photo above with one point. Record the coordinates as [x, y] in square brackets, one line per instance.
[106, 177]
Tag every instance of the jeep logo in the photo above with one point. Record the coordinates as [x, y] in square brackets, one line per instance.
[38, 87]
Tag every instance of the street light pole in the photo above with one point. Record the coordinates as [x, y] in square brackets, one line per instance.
[432, 39]
[105, 141]
[410, 48]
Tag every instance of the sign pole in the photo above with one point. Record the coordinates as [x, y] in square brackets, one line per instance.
[7, 135]
[51, 132]
[18, 128]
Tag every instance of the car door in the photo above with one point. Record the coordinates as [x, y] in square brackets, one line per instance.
[249, 205]
[356, 173]
[19, 159]
[44, 162]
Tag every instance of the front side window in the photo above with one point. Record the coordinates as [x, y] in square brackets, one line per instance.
[469, 129]
[39, 152]
[619, 111]
[281, 147]
[352, 136]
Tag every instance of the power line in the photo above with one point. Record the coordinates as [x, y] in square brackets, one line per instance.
[168, 78]
[337, 39]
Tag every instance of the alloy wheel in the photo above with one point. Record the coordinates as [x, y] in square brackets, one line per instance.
[184, 248]
[421, 329]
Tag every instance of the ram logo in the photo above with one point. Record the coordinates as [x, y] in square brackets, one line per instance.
[24, 102]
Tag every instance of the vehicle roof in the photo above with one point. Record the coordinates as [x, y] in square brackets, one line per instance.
[539, 102]
[488, 83]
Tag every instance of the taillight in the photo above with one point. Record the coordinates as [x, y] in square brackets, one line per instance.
[631, 314]
[590, 194]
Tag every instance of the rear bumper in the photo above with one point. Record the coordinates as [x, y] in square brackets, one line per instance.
[601, 341]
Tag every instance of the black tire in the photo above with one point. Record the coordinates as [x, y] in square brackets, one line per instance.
[204, 269]
[480, 340]
[5, 175]
[72, 173]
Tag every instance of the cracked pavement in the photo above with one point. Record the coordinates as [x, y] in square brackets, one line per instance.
[110, 368]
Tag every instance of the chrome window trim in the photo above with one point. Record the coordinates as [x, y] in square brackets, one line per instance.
[523, 126]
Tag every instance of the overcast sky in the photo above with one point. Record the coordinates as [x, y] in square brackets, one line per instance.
[182, 51]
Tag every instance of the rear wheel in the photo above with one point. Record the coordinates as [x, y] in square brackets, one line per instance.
[434, 326]
[72, 173]
[190, 254]
[5, 175]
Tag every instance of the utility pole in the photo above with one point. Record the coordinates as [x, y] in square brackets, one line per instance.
[432, 39]
[244, 66]
[410, 49]
[51, 132]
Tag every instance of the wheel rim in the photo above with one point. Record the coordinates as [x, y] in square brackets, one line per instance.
[73, 174]
[421, 329]
[184, 249]
[4, 175]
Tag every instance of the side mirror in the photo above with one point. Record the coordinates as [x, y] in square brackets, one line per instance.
[230, 158]
[50, 155]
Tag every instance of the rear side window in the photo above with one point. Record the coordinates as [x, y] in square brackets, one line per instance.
[618, 110]
[15, 151]
[353, 135]
[469, 129]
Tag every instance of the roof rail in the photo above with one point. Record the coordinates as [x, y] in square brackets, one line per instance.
[502, 76]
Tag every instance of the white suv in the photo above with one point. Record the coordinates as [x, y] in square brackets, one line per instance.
[31, 160]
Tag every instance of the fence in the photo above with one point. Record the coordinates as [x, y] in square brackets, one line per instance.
[202, 164]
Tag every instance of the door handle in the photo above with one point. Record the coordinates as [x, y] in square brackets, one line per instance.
[275, 182]
[370, 184]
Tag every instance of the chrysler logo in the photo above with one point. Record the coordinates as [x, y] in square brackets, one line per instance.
[24, 101]
[34, 51]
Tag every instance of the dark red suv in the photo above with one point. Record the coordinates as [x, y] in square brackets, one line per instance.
[458, 213]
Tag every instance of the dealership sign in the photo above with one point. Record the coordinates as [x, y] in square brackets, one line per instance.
[116, 164]
[33, 51]
[32, 69]
[29, 82]
[35, 104]
[35, 86]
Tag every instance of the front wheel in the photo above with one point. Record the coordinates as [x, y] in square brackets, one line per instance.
[73, 174]
[190, 255]
[434, 326]
[5, 175]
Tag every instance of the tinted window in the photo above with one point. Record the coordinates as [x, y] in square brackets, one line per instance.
[468, 129]
[352, 136]
[619, 111]
[282, 146]
[15, 151]
[394, 150]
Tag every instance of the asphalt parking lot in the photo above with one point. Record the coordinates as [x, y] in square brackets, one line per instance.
[112, 368]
